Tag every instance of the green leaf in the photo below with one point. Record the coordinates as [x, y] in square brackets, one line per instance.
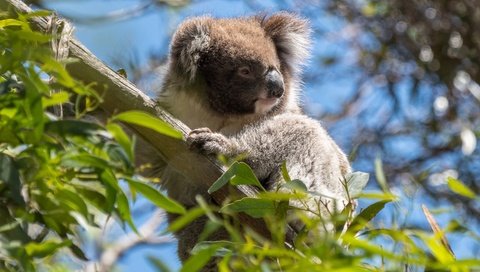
[239, 173]
[95, 198]
[84, 160]
[12, 22]
[55, 67]
[378, 195]
[244, 176]
[149, 121]
[185, 219]
[380, 175]
[200, 259]
[458, 187]
[73, 127]
[158, 264]
[78, 252]
[367, 214]
[441, 253]
[10, 175]
[356, 182]
[122, 138]
[72, 201]
[296, 185]
[255, 207]
[45, 248]
[124, 210]
[55, 99]
[30, 36]
[285, 174]
[37, 13]
[342, 218]
[156, 197]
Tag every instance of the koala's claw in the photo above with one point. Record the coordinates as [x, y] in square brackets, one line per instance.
[207, 142]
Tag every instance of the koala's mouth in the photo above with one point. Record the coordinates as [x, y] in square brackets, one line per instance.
[263, 105]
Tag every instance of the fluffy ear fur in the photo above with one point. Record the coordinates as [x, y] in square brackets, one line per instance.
[291, 35]
[189, 43]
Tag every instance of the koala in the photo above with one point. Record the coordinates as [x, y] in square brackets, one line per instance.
[237, 83]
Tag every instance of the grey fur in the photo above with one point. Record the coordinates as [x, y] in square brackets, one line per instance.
[233, 111]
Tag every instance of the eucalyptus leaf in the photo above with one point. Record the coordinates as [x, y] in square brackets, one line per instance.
[367, 214]
[156, 197]
[45, 248]
[123, 209]
[296, 185]
[10, 175]
[149, 121]
[239, 173]
[186, 219]
[255, 207]
[356, 182]
[458, 187]
[199, 259]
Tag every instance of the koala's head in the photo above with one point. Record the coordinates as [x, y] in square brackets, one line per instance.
[246, 65]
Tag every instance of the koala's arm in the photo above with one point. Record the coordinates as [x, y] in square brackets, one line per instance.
[211, 143]
[311, 155]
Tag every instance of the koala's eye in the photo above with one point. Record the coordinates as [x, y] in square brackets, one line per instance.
[245, 71]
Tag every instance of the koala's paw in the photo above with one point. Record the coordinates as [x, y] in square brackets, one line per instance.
[207, 142]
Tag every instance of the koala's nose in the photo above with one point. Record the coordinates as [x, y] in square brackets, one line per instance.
[274, 83]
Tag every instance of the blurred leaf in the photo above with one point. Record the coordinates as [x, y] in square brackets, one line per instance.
[122, 138]
[96, 198]
[72, 127]
[367, 214]
[285, 174]
[438, 250]
[239, 173]
[343, 217]
[78, 252]
[158, 264]
[380, 175]
[44, 248]
[30, 36]
[255, 207]
[356, 182]
[58, 70]
[12, 22]
[458, 187]
[37, 13]
[84, 160]
[296, 185]
[200, 259]
[149, 121]
[124, 210]
[378, 195]
[157, 198]
[186, 219]
[55, 99]
[10, 175]
[73, 201]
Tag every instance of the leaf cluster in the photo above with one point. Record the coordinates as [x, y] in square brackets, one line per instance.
[58, 173]
[338, 241]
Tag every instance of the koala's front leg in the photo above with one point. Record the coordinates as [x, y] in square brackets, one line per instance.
[210, 143]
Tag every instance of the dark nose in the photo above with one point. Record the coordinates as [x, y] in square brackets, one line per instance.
[274, 83]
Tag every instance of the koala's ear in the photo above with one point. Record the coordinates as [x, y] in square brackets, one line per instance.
[291, 35]
[189, 43]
